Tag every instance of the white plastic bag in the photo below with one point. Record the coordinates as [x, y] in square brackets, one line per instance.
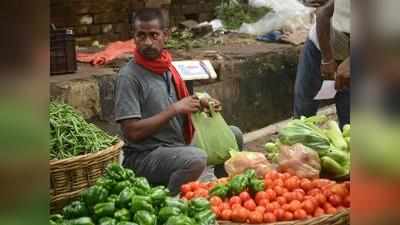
[289, 15]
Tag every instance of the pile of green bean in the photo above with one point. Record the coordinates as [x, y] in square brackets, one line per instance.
[71, 135]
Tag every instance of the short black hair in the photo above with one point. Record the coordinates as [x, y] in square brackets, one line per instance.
[149, 14]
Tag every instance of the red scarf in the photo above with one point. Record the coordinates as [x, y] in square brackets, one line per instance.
[160, 66]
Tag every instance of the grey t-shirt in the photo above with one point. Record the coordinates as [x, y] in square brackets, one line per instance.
[142, 94]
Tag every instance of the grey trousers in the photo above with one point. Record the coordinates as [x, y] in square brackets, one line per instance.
[174, 166]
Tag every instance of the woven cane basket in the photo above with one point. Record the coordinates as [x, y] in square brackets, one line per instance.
[340, 218]
[69, 177]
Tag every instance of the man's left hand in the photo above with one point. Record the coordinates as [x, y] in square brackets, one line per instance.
[207, 102]
[343, 77]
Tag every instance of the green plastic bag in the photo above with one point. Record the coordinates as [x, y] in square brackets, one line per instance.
[213, 136]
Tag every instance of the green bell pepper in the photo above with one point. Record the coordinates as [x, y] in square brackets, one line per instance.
[250, 174]
[256, 185]
[178, 203]
[238, 184]
[129, 174]
[165, 213]
[106, 183]
[74, 210]
[331, 166]
[113, 198]
[94, 195]
[121, 186]
[116, 172]
[141, 203]
[219, 190]
[104, 209]
[158, 196]
[206, 217]
[145, 218]
[199, 204]
[141, 186]
[107, 221]
[56, 219]
[125, 198]
[122, 215]
[81, 221]
[180, 220]
[126, 223]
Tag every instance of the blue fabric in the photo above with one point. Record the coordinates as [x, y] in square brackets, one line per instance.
[273, 36]
[308, 83]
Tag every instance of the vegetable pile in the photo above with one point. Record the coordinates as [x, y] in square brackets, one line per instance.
[71, 135]
[332, 146]
[120, 198]
[279, 197]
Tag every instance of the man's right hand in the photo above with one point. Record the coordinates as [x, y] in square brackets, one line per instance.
[188, 104]
[315, 3]
[328, 70]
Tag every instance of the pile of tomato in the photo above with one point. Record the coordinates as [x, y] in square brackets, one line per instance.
[286, 197]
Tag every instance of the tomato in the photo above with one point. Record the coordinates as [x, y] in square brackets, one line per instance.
[270, 207]
[216, 210]
[340, 189]
[226, 214]
[279, 182]
[269, 217]
[292, 183]
[235, 200]
[286, 207]
[327, 192]
[235, 215]
[319, 212]
[297, 195]
[268, 183]
[279, 214]
[314, 191]
[321, 199]
[224, 205]
[288, 216]
[274, 175]
[215, 201]
[260, 209]
[326, 206]
[306, 184]
[286, 176]
[346, 201]
[294, 205]
[256, 217]
[290, 196]
[321, 183]
[243, 214]
[281, 200]
[331, 210]
[189, 195]
[236, 205]
[308, 206]
[250, 205]
[285, 190]
[203, 193]
[194, 185]
[335, 200]
[271, 195]
[244, 196]
[300, 214]
[312, 199]
[279, 190]
[263, 202]
[340, 208]
[259, 196]
[185, 188]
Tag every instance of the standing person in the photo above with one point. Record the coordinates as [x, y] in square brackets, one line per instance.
[153, 107]
[327, 46]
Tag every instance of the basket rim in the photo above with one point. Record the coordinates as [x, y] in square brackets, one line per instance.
[341, 214]
[114, 147]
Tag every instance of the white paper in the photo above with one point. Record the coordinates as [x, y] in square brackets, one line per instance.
[193, 70]
[327, 90]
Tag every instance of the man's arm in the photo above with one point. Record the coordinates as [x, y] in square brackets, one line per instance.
[139, 129]
[343, 75]
[324, 15]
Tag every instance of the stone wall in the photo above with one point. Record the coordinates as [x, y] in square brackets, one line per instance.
[108, 20]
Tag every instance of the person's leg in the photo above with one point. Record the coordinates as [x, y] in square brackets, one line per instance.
[343, 107]
[171, 166]
[219, 170]
[308, 81]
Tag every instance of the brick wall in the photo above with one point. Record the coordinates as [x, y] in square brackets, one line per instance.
[108, 20]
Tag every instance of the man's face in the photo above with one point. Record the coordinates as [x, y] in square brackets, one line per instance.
[150, 38]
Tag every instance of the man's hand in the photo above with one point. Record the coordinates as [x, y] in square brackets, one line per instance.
[188, 104]
[343, 75]
[206, 103]
[315, 3]
[328, 70]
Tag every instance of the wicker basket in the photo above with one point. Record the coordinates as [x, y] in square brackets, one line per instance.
[340, 218]
[68, 177]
